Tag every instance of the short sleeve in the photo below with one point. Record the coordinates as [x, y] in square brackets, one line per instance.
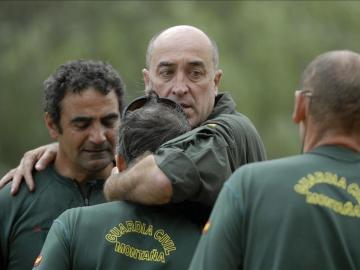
[220, 246]
[55, 253]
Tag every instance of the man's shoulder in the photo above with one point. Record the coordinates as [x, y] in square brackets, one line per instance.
[38, 176]
[271, 172]
[233, 119]
[43, 179]
[97, 211]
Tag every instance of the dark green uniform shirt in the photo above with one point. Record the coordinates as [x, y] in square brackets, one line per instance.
[301, 212]
[199, 161]
[120, 235]
[26, 218]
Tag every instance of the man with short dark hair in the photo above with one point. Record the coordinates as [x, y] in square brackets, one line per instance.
[300, 212]
[83, 100]
[122, 235]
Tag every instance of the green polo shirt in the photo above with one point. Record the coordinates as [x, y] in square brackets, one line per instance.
[300, 212]
[26, 218]
[120, 235]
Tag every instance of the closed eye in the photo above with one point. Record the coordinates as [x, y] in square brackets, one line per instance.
[81, 122]
[110, 121]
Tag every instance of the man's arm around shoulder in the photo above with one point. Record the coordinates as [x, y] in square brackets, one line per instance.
[143, 183]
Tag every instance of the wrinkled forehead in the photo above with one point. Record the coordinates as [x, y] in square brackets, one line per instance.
[182, 47]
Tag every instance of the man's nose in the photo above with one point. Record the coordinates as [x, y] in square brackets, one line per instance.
[180, 86]
[97, 135]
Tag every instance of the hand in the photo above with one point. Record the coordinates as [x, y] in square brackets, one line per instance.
[41, 157]
[142, 183]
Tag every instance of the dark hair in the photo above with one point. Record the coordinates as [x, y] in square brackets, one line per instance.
[148, 127]
[333, 79]
[77, 76]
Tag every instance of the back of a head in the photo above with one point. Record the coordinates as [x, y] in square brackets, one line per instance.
[148, 127]
[333, 79]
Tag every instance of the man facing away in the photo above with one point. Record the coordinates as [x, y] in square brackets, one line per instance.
[182, 64]
[82, 112]
[300, 212]
[123, 235]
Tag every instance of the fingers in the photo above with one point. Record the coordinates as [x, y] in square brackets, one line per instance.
[45, 157]
[7, 178]
[23, 171]
[114, 170]
[41, 157]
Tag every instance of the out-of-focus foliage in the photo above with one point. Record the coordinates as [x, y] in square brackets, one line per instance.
[264, 46]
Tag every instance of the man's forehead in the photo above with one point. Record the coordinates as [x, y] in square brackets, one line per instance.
[90, 101]
[175, 46]
[180, 54]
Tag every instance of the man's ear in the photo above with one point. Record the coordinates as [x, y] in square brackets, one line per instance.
[300, 107]
[146, 77]
[51, 126]
[217, 79]
[120, 163]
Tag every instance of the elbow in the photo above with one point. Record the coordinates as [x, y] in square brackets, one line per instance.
[165, 189]
[109, 189]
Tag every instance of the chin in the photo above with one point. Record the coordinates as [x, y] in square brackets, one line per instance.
[97, 165]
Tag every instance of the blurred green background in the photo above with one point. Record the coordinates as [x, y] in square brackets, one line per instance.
[264, 46]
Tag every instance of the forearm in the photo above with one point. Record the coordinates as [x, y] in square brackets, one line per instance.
[143, 183]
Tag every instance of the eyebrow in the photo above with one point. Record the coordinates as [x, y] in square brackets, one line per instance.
[192, 63]
[110, 116]
[165, 64]
[197, 63]
[88, 118]
[81, 119]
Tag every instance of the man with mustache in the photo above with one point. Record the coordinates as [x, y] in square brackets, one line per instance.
[83, 100]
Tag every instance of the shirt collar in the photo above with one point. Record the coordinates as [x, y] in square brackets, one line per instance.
[223, 104]
[337, 152]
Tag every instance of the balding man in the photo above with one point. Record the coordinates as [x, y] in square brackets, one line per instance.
[300, 212]
[182, 64]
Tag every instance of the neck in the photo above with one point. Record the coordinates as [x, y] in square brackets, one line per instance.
[351, 142]
[80, 175]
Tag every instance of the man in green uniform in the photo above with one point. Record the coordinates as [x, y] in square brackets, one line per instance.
[182, 64]
[82, 110]
[300, 212]
[122, 235]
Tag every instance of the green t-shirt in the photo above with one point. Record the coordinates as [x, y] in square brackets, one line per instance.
[26, 218]
[199, 161]
[120, 235]
[301, 212]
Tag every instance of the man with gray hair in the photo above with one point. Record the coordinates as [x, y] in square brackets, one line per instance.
[299, 212]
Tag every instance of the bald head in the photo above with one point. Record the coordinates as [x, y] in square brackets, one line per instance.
[182, 64]
[183, 36]
[333, 78]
